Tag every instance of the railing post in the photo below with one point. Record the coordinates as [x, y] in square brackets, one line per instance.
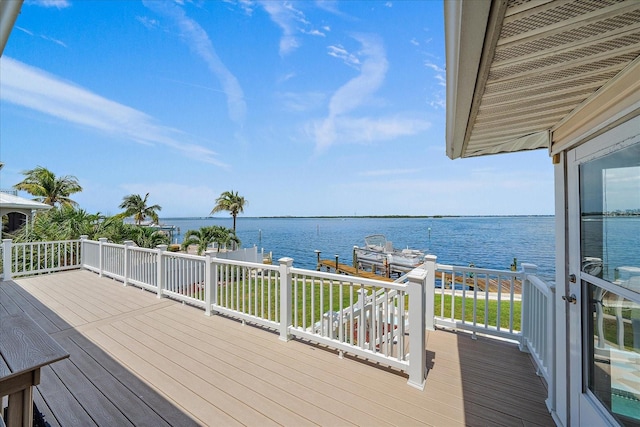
[101, 242]
[83, 257]
[6, 259]
[285, 297]
[551, 350]
[526, 313]
[210, 281]
[160, 266]
[430, 291]
[417, 329]
[127, 261]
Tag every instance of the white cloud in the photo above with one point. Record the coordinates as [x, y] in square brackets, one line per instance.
[24, 30]
[434, 67]
[352, 94]
[439, 73]
[292, 22]
[42, 36]
[56, 41]
[38, 90]
[367, 130]
[60, 4]
[285, 16]
[388, 4]
[340, 126]
[300, 102]
[340, 52]
[329, 6]
[287, 77]
[247, 6]
[314, 33]
[199, 43]
[372, 74]
[150, 23]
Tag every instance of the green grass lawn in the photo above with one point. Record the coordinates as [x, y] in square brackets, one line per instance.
[323, 296]
[482, 307]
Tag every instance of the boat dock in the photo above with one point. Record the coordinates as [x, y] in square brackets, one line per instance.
[349, 270]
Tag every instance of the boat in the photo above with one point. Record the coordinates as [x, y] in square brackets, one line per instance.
[378, 252]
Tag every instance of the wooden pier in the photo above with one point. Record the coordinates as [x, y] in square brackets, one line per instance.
[350, 270]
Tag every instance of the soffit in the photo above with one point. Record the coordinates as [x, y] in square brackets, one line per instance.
[541, 61]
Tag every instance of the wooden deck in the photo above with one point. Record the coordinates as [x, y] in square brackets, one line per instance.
[139, 360]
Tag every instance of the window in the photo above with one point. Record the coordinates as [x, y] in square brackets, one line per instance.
[610, 250]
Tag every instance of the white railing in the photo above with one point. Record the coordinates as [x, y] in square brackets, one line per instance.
[182, 277]
[381, 321]
[538, 327]
[141, 267]
[246, 290]
[374, 316]
[357, 315]
[22, 259]
[91, 255]
[479, 300]
[515, 305]
[112, 260]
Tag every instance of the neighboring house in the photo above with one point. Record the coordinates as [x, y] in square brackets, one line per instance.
[565, 76]
[19, 211]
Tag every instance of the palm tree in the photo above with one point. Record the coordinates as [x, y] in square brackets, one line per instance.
[62, 223]
[48, 188]
[206, 235]
[147, 237]
[231, 202]
[136, 206]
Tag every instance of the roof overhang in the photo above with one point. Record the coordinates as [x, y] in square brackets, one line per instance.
[9, 10]
[524, 75]
[10, 203]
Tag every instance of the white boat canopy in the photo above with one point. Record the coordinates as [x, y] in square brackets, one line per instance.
[524, 75]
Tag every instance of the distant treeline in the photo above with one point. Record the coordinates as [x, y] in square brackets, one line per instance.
[365, 216]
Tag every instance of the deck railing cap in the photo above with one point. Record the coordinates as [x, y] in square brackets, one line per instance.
[417, 275]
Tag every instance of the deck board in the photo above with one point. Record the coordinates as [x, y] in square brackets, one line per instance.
[359, 384]
[140, 360]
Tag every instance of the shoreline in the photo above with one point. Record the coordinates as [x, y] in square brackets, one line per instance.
[359, 217]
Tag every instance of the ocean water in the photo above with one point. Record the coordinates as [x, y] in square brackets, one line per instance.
[487, 242]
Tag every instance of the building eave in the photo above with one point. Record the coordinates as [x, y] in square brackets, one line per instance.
[517, 72]
[9, 11]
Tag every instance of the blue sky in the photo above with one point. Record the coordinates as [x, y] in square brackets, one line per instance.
[304, 108]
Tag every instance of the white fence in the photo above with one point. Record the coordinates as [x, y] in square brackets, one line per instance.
[381, 321]
[373, 316]
[22, 259]
[479, 300]
[539, 326]
[515, 305]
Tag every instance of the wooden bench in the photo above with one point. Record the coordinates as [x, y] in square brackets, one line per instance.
[24, 348]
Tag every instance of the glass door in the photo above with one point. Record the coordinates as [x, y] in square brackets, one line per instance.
[604, 253]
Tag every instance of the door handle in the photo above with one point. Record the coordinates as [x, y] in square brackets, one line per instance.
[572, 278]
[570, 298]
